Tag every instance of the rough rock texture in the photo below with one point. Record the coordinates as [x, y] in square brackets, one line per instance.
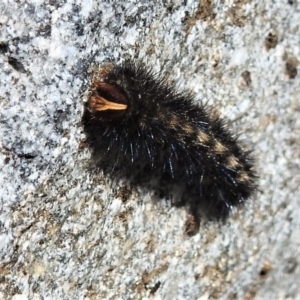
[67, 233]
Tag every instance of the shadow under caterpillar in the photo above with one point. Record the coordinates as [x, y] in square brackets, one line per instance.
[141, 128]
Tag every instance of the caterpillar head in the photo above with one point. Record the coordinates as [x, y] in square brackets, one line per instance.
[121, 95]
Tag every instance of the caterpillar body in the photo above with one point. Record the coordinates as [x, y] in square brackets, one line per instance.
[141, 128]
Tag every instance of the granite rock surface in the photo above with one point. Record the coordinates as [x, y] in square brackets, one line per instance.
[68, 233]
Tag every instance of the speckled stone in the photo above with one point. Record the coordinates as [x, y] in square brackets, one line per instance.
[69, 233]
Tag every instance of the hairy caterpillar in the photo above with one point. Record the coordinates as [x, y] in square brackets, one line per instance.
[140, 128]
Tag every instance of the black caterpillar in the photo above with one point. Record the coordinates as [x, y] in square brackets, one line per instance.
[141, 128]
